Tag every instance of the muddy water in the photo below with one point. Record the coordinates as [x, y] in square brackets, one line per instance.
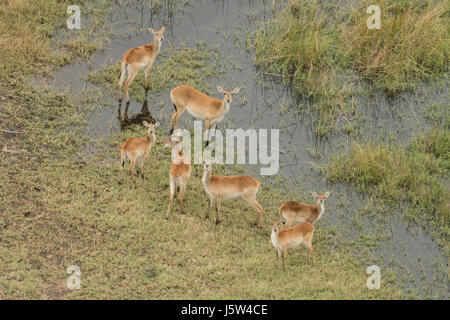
[401, 246]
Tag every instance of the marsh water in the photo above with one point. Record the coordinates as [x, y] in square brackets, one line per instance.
[399, 245]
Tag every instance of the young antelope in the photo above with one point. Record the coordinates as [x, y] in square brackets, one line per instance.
[301, 233]
[180, 171]
[137, 149]
[137, 58]
[295, 212]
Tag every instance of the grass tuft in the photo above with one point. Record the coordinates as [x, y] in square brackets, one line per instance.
[411, 45]
[317, 47]
[396, 174]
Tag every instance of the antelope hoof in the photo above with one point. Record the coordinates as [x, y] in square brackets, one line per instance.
[217, 222]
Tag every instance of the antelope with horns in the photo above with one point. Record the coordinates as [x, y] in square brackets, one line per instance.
[200, 105]
[291, 238]
[295, 212]
[180, 170]
[138, 149]
[137, 58]
[218, 187]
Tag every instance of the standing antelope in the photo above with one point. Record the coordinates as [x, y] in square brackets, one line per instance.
[298, 212]
[180, 170]
[291, 238]
[138, 149]
[200, 105]
[138, 58]
[218, 187]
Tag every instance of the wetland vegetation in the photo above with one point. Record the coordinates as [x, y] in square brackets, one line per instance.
[60, 208]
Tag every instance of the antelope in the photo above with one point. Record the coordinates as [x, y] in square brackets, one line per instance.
[218, 187]
[138, 149]
[200, 105]
[298, 212]
[291, 238]
[180, 170]
[137, 58]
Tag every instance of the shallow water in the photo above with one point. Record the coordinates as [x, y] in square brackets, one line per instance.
[406, 248]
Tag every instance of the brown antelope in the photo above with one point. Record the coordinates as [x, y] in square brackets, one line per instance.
[200, 105]
[291, 238]
[218, 187]
[295, 212]
[138, 149]
[180, 170]
[137, 58]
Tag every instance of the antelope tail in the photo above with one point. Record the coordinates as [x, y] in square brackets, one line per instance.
[122, 159]
[122, 71]
[173, 102]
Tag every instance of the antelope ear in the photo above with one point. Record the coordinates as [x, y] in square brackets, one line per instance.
[236, 90]
[220, 89]
[314, 195]
[268, 221]
[163, 29]
[282, 220]
[145, 124]
[157, 124]
[215, 161]
[327, 194]
[151, 30]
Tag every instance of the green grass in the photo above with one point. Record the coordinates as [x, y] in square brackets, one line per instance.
[411, 45]
[59, 208]
[300, 44]
[173, 67]
[27, 30]
[58, 212]
[396, 174]
[438, 114]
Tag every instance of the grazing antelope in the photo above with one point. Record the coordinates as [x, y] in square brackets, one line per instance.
[200, 105]
[137, 58]
[218, 187]
[138, 149]
[291, 238]
[180, 170]
[295, 212]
